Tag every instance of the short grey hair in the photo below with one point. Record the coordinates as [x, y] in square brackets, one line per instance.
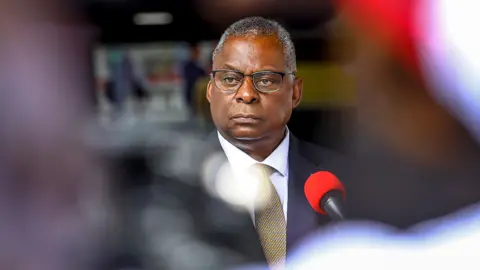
[260, 26]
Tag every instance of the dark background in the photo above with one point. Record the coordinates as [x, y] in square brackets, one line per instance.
[191, 23]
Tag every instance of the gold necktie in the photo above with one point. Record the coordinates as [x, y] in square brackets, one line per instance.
[270, 220]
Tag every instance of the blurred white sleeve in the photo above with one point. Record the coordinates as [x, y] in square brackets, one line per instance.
[437, 244]
[350, 246]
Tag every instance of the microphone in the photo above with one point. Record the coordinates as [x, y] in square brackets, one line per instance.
[326, 194]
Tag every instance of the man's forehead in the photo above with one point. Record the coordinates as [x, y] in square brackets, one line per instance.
[251, 40]
[251, 51]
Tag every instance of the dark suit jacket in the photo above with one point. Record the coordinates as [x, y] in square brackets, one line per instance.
[304, 159]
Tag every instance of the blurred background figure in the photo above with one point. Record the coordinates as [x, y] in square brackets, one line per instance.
[122, 82]
[125, 81]
[192, 72]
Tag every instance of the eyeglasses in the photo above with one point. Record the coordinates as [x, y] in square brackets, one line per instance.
[229, 81]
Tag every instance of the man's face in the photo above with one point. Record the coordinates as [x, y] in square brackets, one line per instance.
[249, 114]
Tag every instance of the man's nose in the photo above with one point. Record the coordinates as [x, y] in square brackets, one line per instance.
[247, 92]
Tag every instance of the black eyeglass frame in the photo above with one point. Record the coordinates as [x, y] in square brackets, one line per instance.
[283, 74]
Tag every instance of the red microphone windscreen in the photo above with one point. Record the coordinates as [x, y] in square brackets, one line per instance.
[319, 184]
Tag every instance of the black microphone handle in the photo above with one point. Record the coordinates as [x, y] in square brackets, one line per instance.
[332, 203]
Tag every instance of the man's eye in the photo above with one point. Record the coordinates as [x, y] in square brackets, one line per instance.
[230, 80]
[266, 82]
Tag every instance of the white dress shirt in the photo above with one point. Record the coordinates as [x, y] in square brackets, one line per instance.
[278, 159]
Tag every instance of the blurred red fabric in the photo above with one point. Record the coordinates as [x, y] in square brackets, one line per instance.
[391, 22]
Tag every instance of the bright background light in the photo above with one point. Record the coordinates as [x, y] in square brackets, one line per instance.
[153, 18]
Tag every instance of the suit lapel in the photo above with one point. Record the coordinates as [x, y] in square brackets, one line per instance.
[302, 219]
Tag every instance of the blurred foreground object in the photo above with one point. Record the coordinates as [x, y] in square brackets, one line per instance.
[169, 195]
[445, 63]
[52, 195]
[450, 57]
[439, 244]
[411, 149]
[428, 38]
[422, 164]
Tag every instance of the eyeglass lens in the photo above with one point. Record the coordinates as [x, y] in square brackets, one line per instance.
[230, 81]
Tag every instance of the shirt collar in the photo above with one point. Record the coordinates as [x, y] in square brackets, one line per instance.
[239, 160]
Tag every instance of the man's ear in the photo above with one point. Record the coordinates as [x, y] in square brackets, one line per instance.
[209, 91]
[297, 92]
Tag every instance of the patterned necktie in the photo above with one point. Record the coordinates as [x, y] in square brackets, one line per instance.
[270, 220]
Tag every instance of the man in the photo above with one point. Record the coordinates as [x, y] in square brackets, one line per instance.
[252, 92]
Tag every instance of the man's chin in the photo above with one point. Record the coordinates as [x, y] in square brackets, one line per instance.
[248, 138]
[245, 136]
